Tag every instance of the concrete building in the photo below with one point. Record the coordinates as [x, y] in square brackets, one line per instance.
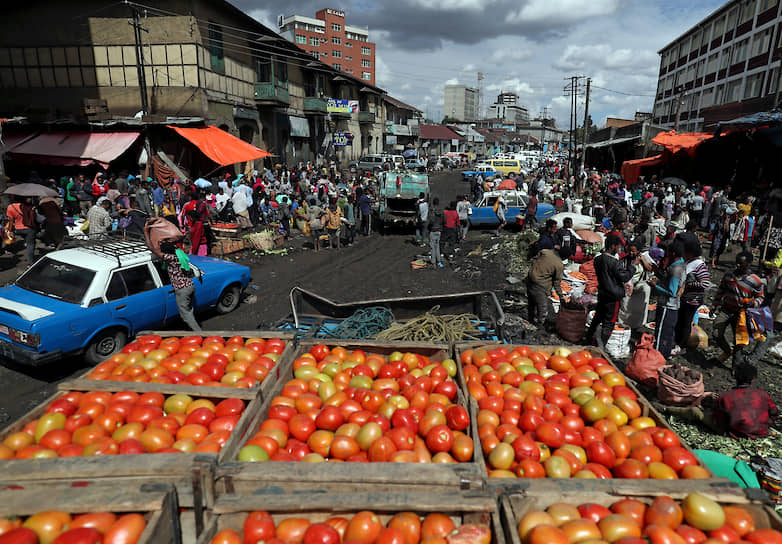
[509, 113]
[461, 103]
[725, 66]
[507, 97]
[327, 37]
[84, 68]
[401, 126]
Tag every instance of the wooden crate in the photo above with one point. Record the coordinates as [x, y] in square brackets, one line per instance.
[614, 483]
[227, 246]
[319, 505]
[191, 473]
[246, 478]
[83, 383]
[156, 502]
[515, 506]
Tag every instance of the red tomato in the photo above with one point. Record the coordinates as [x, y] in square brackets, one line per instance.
[364, 527]
[439, 439]
[725, 534]
[20, 535]
[101, 521]
[764, 536]
[665, 512]
[600, 452]
[678, 457]
[457, 418]
[320, 533]
[391, 536]
[62, 406]
[81, 535]
[525, 447]
[691, 535]
[551, 434]
[592, 511]
[228, 536]
[229, 407]
[292, 530]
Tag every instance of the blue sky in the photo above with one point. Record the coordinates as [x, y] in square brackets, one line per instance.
[525, 46]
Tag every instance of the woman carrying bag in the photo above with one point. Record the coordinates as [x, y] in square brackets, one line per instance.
[21, 215]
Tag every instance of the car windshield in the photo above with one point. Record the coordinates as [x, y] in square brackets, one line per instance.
[63, 281]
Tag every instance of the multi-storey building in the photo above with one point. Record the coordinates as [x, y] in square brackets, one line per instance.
[328, 38]
[725, 66]
[461, 103]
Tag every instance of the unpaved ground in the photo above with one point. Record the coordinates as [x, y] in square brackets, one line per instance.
[373, 267]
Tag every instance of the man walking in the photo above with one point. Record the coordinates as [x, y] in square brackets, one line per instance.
[530, 221]
[436, 224]
[611, 277]
[464, 209]
[179, 272]
[422, 223]
[99, 218]
[544, 274]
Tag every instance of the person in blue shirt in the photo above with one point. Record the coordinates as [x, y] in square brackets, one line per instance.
[668, 292]
[158, 197]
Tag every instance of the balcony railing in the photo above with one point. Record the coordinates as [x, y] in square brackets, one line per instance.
[314, 104]
[269, 92]
[366, 117]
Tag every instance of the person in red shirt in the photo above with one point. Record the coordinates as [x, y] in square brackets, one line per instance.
[450, 231]
[745, 411]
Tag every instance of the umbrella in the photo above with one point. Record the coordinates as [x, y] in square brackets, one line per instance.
[673, 181]
[409, 153]
[202, 183]
[31, 189]
[507, 184]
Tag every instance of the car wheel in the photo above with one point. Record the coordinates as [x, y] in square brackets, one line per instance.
[229, 299]
[105, 344]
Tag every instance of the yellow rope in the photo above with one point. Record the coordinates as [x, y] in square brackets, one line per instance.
[433, 328]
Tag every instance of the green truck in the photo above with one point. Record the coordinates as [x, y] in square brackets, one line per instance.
[398, 193]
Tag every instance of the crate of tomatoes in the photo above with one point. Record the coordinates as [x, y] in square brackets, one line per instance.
[89, 512]
[174, 438]
[555, 515]
[352, 412]
[556, 412]
[369, 517]
[165, 362]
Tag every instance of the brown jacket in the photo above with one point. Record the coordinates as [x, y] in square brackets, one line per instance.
[546, 270]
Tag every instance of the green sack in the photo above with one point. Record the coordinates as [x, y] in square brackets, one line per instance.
[735, 470]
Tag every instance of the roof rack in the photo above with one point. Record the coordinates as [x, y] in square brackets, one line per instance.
[112, 246]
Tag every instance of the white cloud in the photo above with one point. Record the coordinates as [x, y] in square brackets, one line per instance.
[505, 55]
[597, 56]
[467, 5]
[561, 11]
[382, 72]
[515, 85]
[452, 81]
[265, 17]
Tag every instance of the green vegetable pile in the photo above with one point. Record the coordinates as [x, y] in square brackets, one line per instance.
[739, 448]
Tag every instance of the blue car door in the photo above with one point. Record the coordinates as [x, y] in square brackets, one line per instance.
[514, 208]
[134, 296]
[171, 310]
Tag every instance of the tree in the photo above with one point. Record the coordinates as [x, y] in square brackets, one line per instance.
[448, 120]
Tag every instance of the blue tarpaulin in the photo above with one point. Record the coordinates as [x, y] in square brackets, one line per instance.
[760, 119]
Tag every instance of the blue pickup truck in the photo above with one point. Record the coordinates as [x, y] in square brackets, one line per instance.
[483, 214]
[90, 299]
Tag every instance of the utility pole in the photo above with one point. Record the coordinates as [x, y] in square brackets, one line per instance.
[571, 90]
[142, 77]
[586, 129]
[679, 101]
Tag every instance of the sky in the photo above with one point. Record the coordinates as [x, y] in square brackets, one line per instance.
[526, 46]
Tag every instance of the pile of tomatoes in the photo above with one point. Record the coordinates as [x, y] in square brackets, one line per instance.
[564, 415]
[103, 423]
[193, 360]
[363, 528]
[359, 407]
[697, 519]
[56, 527]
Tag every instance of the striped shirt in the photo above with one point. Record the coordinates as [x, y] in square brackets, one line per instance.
[696, 282]
[737, 293]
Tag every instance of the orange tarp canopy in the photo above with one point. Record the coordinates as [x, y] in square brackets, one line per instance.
[688, 141]
[223, 148]
[632, 169]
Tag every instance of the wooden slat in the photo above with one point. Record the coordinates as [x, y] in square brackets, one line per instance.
[239, 477]
[646, 410]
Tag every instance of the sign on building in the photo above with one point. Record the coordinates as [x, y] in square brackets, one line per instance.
[341, 139]
[340, 105]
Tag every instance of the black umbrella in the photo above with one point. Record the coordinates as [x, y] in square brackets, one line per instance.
[31, 189]
[674, 181]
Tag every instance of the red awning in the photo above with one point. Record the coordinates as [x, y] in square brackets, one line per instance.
[632, 169]
[76, 148]
[223, 148]
[9, 141]
[674, 142]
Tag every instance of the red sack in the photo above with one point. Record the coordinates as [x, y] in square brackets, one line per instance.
[162, 230]
[645, 362]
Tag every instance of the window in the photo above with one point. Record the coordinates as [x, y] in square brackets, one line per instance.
[707, 99]
[129, 282]
[336, 40]
[740, 51]
[263, 69]
[366, 51]
[281, 71]
[301, 39]
[754, 86]
[315, 54]
[761, 42]
[366, 63]
[725, 59]
[695, 44]
[348, 44]
[690, 74]
[336, 54]
[718, 94]
[366, 76]
[730, 24]
[337, 66]
[348, 71]
[336, 28]
[773, 81]
[694, 102]
[747, 11]
[719, 28]
[162, 274]
[732, 92]
[764, 5]
[314, 41]
[348, 58]
[711, 67]
[58, 280]
[216, 47]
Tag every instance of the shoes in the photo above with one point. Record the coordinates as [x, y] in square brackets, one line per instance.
[441, 265]
[677, 350]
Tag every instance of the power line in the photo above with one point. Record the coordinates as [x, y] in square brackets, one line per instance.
[623, 92]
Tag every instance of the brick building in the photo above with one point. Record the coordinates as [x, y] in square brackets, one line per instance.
[328, 38]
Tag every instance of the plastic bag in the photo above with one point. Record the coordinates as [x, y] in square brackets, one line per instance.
[162, 230]
[645, 362]
[698, 338]
[618, 344]
[675, 392]
[571, 322]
